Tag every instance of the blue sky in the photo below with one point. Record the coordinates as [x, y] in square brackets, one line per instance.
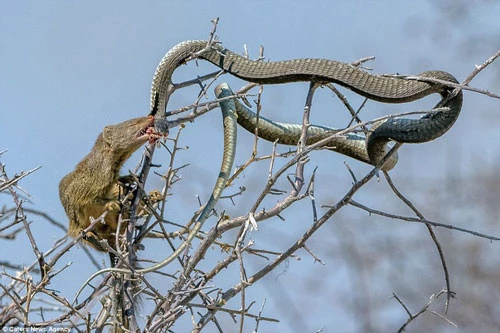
[70, 68]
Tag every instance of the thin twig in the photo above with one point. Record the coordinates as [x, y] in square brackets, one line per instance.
[424, 221]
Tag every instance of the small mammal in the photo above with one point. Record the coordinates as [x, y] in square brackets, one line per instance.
[94, 186]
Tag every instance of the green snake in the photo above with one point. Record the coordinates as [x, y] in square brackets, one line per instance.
[379, 88]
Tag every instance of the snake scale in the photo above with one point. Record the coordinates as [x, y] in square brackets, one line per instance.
[379, 88]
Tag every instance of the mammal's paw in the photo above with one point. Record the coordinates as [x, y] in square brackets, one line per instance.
[113, 206]
[155, 196]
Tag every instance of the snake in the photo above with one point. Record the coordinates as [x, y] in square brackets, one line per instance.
[387, 89]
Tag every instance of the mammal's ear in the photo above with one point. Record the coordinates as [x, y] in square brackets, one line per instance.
[107, 135]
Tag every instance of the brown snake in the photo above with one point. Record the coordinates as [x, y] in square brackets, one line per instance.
[386, 89]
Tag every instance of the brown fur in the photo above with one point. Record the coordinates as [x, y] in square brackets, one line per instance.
[93, 187]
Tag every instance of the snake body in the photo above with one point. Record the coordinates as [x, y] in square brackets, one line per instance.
[349, 144]
[229, 116]
[380, 88]
[427, 128]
